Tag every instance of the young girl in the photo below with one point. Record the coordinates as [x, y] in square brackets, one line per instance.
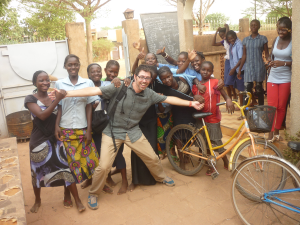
[235, 80]
[73, 125]
[255, 69]
[279, 81]
[95, 74]
[212, 97]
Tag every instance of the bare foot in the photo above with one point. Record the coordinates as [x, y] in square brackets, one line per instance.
[67, 201]
[123, 188]
[87, 183]
[110, 182]
[131, 187]
[36, 206]
[80, 206]
[107, 190]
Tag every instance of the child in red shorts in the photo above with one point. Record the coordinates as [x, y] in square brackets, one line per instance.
[212, 97]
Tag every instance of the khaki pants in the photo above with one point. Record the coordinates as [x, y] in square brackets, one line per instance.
[141, 147]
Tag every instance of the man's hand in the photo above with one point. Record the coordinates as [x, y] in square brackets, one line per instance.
[88, 138]
[231, 72]
[57, 133]
[197, 105]
[161, 52]
[117, 82]
[199, 98]
[61, 94]
[191, 55]
[220, 85]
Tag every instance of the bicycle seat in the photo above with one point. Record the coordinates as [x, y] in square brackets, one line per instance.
[295, 145]
[201, 115]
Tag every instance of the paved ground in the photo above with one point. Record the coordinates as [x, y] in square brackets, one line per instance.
[194, 200]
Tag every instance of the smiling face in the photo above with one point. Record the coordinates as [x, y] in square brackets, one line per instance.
[111, 72]
[142, 80]
[196, 63]
[150, 59]
[254, 26]
[95, 73]
[206, 71]
[222, 35]
[283, 30]
[72, 66]
[42, 82]
[231, 39]
[166, 78]
[181, 60]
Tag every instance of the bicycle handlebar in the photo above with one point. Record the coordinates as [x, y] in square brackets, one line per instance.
[242, 108]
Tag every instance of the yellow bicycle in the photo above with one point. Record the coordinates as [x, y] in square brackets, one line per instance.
[187, 149]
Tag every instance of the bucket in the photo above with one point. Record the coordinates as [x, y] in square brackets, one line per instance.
[19, 124]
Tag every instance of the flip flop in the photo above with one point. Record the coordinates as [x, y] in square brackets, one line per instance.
[68, 204]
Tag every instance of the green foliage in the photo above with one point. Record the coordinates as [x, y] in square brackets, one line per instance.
[48, 21]
[101, 48]
[216, 20]
[10, 30]
[288, 153]
[3, 6]
[271, 8]
[117, 27]
[106, 28]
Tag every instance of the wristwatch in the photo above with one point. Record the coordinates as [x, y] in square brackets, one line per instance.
[166, 56]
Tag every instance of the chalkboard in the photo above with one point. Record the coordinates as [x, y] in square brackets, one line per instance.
[161, 30]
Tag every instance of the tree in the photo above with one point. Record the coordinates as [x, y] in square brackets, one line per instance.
[201, 9]
[273, 8]
[86, 8]
[3, 6]
[10, 30]
[216, 20]
[47, 21]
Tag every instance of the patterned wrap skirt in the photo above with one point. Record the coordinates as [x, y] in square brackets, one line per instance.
[82, 159]
[49, 166]
[164, 126]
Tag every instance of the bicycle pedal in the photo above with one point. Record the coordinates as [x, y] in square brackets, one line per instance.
[214, 175]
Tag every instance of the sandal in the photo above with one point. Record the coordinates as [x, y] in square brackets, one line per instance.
[68, 204]
[107, 190]
[275, 138]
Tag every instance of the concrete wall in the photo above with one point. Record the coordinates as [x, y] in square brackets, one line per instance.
[77, 45]
[295, 106]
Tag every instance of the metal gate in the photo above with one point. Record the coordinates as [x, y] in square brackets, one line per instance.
[17, 64]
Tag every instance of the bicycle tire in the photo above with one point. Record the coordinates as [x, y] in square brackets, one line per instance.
[182, 133]
[263, 181]
[272, 150]
[298, 167]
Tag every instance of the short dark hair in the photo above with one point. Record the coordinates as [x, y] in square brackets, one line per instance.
[286, 21]
[184, 53]
[209, 63]
[255, 20]
[154, 70]
[163, 70]
[35, 76]
[200, 54]
[231, 33]
[112, 63]
[92, 64]
[151, 54]
[222, 30]
[143, 67]
[69, 57]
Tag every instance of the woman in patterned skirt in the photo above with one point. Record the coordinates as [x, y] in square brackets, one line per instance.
[74, 125]
[48, 160]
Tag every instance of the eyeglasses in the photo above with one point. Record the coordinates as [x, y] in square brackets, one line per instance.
[144, 78]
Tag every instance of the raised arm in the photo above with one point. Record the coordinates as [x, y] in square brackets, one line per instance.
[191, 56]
[168, 58]
[139, 57]
[214, 43]
[180, 102]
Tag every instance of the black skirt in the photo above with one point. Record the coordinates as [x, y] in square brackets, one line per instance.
[140, 172]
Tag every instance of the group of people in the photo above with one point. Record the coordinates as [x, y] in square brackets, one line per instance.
[65, 151]
[246, 67]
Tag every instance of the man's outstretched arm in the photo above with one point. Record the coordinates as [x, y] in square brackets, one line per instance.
[84, 92]
[180, 102]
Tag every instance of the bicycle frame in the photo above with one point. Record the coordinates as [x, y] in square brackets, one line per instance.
[271, 194]
[211, 149]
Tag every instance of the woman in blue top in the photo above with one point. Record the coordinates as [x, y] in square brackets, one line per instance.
[279, 81]
[255, 69]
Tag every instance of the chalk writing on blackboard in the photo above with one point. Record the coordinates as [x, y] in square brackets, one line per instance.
[161, 30]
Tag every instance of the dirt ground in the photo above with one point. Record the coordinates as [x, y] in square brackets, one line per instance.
[194, 200]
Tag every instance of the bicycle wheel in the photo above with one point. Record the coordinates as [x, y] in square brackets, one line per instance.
[178, 137]
[262, 147]
[260, 175]
[294, 182]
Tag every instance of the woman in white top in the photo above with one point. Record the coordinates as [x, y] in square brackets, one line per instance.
[279, 82]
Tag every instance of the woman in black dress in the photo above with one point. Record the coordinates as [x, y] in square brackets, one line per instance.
[48, 160]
